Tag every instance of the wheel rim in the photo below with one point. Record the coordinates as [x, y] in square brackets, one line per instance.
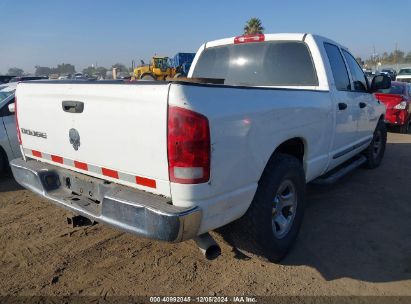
[377, 144]
[284, 209]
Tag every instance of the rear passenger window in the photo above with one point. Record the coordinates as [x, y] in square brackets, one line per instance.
[358, 77]
[340, 74]
[4, 111]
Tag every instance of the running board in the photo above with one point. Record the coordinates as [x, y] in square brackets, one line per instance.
[332, 177]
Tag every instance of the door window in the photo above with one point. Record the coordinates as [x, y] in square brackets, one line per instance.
[338, 68]
[357, 74]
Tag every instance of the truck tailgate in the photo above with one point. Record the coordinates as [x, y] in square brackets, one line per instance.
[120, 135]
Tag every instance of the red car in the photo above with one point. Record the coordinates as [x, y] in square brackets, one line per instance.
[397, 99]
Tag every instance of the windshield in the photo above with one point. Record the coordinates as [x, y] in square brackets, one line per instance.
[161, 62]
[395, 89]
[405, 72]
[274, 63]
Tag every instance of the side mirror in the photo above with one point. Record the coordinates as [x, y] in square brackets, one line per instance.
[380, 82]
[12, 108]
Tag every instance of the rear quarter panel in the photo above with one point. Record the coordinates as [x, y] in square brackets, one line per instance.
[246, 126]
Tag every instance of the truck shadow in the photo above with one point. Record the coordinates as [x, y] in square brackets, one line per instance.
[7, 183]
[360, 227]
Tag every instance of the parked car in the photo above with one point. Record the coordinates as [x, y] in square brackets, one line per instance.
[369, 74]
[391, 72]
[9, 145]
[397, 100]
[79, 76]
[26, 78]
[260, 117]
[5, 78]
[404, 75]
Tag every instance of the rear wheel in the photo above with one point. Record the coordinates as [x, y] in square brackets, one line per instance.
[148, 77]
[271, 224]
[375, 151]
[3, 162]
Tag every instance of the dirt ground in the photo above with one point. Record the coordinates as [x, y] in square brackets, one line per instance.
[355, 240]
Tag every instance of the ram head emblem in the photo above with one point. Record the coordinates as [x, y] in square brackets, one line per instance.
[74, 137]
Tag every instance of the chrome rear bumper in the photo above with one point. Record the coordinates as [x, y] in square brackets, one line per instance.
[128, 209]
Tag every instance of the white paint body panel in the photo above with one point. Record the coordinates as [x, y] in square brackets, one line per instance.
[246, 129]
[124, 127]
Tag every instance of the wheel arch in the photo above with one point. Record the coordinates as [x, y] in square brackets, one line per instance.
[296, 147]
[148, 74]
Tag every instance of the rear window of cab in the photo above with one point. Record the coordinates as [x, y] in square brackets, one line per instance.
[271, 63]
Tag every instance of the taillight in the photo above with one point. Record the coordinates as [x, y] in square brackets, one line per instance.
[249, 38]
[188, 142]
[17, 121]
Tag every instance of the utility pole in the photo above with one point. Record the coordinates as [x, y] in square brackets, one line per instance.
[395, 56]
[374, 57]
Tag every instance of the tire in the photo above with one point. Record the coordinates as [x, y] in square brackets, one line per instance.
[258, 230]
[405, 128]
[3, 162]
[375, 151]
[148, 77]
[178, 75]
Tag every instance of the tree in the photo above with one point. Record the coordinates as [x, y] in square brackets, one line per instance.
[360, 61]
[398, 56]
[100, 71]
[89, 70]
[384, 58]
[120, 67]
[15, 72]
[42, 71]
[253, 26]
[64, 69]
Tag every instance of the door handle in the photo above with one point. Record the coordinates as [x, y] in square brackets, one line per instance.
[362, 105]
[342, 106]
[71, 106]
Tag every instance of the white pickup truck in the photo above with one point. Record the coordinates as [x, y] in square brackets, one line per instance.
[174, 160]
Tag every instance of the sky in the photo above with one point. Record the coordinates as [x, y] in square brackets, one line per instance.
[50, 32]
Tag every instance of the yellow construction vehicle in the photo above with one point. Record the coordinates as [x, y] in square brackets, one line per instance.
[158, 69]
